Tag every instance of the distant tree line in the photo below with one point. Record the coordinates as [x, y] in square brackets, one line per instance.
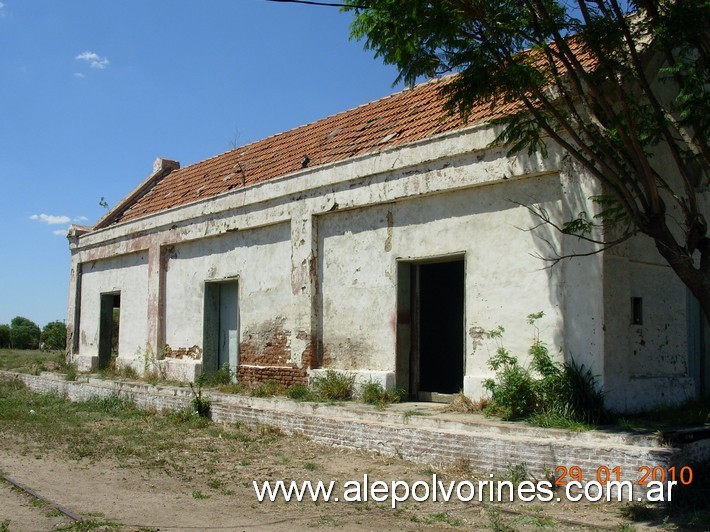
[23, 333]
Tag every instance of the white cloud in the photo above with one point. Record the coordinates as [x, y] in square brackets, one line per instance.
[79, 75]
[94, 60]
[80, 219]
[50, 219]
[60, 232]
[2, 13]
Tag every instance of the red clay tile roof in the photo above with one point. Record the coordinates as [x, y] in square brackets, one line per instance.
[403, 117]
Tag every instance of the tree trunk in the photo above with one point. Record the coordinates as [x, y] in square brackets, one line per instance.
[697, 279]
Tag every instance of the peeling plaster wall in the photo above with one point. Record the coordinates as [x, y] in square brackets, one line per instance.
[127, 274]
[316, 255]
[359, 250]
[258, 259]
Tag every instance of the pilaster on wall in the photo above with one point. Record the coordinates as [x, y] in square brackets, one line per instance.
[304, 287]
[74, 306]
[156, 297]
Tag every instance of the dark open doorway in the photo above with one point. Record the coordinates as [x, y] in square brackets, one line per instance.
[109, 326]
[221, 326]
[430, 328]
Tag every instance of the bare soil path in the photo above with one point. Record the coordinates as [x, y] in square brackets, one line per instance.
[149, 499]
[125, 469]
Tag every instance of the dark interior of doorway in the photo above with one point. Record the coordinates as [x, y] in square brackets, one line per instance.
[441, 327]
[110, 323]
[430, 328]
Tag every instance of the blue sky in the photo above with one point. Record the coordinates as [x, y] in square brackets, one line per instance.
[92, 91]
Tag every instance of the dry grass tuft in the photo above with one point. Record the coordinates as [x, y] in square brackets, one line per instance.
[463, 405]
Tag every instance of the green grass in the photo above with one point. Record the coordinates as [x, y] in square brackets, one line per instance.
[232, 387]
[300, 392]
[109, 427]
[265, 389]
[695, 412]
[31, 360]
[445, 518]
[557, 420]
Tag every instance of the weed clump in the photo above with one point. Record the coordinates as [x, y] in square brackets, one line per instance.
[334, 386]
[266, 389]
[547, 393]
[223, 376]
[128, 372]
[201, 405]
[373, 393]
[299, 392]
[70, 372]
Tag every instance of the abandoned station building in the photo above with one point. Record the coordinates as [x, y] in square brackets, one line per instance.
[384, 241]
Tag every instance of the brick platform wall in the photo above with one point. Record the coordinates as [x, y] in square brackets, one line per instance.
[420, 439]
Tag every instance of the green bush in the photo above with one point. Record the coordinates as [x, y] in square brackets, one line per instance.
[548, 393]
[222, 376]
[70, 372]
[334, 386]
[513, 393]
[373, 393]
[4, 336]
[201, 405]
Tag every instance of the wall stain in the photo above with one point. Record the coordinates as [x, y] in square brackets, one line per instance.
[390, 226]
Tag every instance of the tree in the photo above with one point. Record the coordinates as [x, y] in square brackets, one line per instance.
[54, 335]
[620, 85]
[24, 333]
[4, 336]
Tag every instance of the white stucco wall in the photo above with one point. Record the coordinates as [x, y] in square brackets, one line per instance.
[316, 256]
[504, 282]
[647, 363]
[127, 274]
[259, 260]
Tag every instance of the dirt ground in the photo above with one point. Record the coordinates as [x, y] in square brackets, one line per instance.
[131, 496]
[120, 468]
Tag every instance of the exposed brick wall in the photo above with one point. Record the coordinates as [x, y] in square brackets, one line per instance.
[284, 375]
[265, 356]
[309, 357]
[488, 448]
[266, 345]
